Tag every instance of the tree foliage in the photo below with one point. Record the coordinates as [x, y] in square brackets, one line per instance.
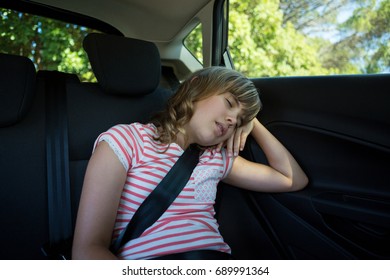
[279, 38]
[262, 44]
[194, 42]
[266, 38]
[360, 42]
[367, 35]
[308, 16]
[50, 44]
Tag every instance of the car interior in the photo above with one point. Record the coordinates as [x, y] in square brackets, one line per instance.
[337, 127]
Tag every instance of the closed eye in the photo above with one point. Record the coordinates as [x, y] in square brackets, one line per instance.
[230, 104]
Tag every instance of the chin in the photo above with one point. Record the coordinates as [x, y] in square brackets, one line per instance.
[210, 141]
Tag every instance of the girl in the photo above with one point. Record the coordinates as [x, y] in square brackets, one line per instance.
[215, 108]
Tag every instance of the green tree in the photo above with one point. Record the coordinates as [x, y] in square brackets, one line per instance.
[194, 42]
[50, 44]
[362, 44]
[277, 38]
[367, 36]
[309, 16]
[262, 44]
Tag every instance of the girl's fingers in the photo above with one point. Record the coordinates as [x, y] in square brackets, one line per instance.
[243, 141]
[219, 146]
[237, 141]
[229, 145]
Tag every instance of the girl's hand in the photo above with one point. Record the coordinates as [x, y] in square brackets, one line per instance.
[236, 142]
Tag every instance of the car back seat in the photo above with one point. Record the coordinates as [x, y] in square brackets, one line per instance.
[128, 73]
[23, 211]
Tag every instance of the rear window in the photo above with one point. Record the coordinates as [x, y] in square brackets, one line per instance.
[50, 44]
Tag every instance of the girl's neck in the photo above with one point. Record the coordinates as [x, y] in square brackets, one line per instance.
[182, 141]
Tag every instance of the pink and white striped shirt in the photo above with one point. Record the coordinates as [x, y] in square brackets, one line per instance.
[189, 223]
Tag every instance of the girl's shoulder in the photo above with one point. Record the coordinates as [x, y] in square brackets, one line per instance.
[129, 141]
[137, 129]
[148, 129]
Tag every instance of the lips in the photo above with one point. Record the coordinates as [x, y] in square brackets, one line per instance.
[221, 129]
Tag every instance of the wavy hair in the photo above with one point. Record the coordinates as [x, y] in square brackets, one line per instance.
[200, 85]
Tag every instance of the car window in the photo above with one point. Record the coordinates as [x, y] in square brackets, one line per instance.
[50, 44]
[194, 43]
[307, 37]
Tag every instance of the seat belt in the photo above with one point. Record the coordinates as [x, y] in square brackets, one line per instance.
[160, 198]
[57, 158]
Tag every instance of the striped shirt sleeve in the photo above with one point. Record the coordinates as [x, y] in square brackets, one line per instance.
[227, 163]
[126, 141]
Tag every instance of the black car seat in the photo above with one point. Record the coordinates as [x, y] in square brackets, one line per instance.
[35, 210]
[23, 211]
[128, 73]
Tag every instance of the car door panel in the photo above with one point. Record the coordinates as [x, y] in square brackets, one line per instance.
[338, 129]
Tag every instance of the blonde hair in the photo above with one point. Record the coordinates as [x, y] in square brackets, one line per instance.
[201, 85]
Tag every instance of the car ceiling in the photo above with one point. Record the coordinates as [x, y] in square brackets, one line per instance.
[151, 20]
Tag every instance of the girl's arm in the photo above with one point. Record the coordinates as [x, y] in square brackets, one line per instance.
[282, 174]
[103, 184]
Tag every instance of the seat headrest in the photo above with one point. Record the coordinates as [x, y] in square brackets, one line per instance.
[123, 66]
[17, 88]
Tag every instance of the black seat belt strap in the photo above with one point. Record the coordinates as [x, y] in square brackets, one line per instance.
[160, 198]
[57, 157]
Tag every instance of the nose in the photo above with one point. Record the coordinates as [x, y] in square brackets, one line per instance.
[231, 120]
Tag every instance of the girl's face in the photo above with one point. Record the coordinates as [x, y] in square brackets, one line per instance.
[214, 120]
